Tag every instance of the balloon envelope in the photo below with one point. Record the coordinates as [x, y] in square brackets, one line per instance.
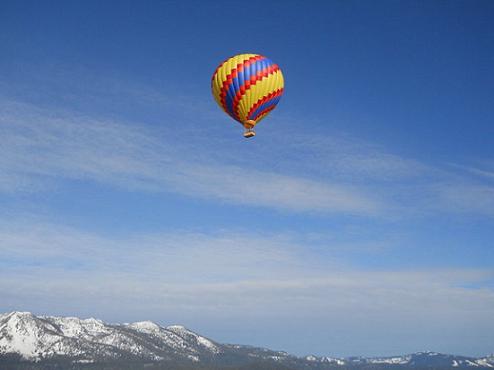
[247, 87]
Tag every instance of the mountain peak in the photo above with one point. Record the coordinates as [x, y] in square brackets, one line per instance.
[145, 326]
[19, 314]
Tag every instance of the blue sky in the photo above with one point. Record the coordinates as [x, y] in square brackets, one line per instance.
[359, 221]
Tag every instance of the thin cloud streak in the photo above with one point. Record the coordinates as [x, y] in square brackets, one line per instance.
[468, 198]
[39, 146]
[481, 172]
[42, 149]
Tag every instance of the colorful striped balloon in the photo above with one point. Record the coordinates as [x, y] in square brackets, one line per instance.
[247, 87]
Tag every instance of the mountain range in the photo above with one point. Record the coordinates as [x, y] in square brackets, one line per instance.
[70, 342]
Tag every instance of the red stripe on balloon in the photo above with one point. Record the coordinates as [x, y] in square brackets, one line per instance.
[267, 110]
[247, 85]
[263, 100]
[217, 69]
[229, 79]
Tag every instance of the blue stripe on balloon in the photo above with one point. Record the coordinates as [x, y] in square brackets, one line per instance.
[238, 81]
[267, 104]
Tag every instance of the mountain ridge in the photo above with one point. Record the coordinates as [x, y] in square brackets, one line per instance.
[41, 338]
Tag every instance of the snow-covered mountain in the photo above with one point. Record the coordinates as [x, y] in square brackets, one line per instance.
[42, 337]
[39, 338]
[428, 359]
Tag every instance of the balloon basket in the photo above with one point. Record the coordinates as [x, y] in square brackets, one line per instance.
[249, 133]
[249, 129]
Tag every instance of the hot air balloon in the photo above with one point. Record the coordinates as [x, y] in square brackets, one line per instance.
[247, 87]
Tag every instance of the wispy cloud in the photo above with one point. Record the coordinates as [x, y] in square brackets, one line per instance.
[41, 146]
[465, 189]
[467, 198]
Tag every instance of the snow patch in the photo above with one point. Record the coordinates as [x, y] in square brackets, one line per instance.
[145, 327]
[485, 362]
[400, 360]
[186, 334]
[471, 363]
